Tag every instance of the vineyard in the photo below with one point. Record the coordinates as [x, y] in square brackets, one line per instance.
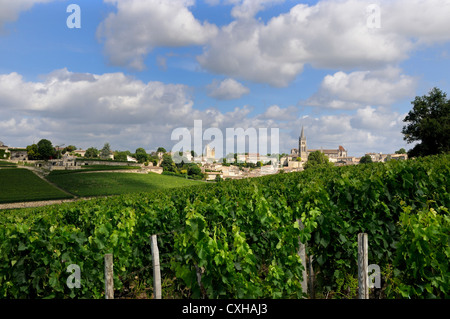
[243, 237]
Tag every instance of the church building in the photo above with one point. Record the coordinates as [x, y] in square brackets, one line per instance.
[303, 152]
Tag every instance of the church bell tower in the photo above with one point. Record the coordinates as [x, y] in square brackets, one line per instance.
[302, 146]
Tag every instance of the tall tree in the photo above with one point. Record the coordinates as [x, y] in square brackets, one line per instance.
[141, 155]
[106, 151]
[167, 164]
[429, 124]
[45, 149]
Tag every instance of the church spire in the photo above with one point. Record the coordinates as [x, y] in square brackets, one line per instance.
[302, 135]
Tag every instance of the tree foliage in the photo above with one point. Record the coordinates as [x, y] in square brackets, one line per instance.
[106, 151]
[365, 159]
[141, 155]
[33, 153]
[91, 152]
[167, 164]
[69, 149]
[243, 236]
[429, 124]
[317, 158]
[45, 149]
[121, 156]
[194, 169]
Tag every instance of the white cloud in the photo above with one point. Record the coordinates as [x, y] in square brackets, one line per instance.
[275, 112]
[424, 21]
[377, 120]
[245, 9]
[357, 89]
[329, 34]
[227, 89]
[91, 109]
[236, 52]
[141, 25]
[10, 10]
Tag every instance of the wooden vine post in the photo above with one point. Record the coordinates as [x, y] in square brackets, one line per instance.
[363, 276]
[302, 254]
[156, 268]
[312, 293]
[109, 277]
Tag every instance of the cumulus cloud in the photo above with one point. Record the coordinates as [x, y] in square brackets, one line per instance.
[227, 89]
[10, 10]
[424, 22]
[377, 119]
[236, 52]
[275, 112]
[329, 34]
[139, 26]
[91, 108]
[354, 90]
[245, 9]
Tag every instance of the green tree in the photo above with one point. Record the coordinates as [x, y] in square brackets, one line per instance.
[429, 124]
[45, 149]
[193, 169]
[161, 150]
[365, 159]
[316, 159]
[154, 159]
[33, 152]
[167, 164]
[106, 151]
[141, 155]
[91, 152]
[401, 151]
[121, 156]
[69, 149]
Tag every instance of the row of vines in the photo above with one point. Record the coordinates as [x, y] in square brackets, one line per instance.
[242, 236]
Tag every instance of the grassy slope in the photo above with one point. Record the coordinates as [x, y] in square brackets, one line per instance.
[21, 185]
[100, 184]
[7, 164]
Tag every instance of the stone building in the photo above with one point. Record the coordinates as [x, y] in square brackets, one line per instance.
[18, 154]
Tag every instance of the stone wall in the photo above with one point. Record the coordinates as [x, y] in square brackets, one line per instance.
[110, 163]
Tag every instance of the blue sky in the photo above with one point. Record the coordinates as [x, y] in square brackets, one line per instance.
[138, 69]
